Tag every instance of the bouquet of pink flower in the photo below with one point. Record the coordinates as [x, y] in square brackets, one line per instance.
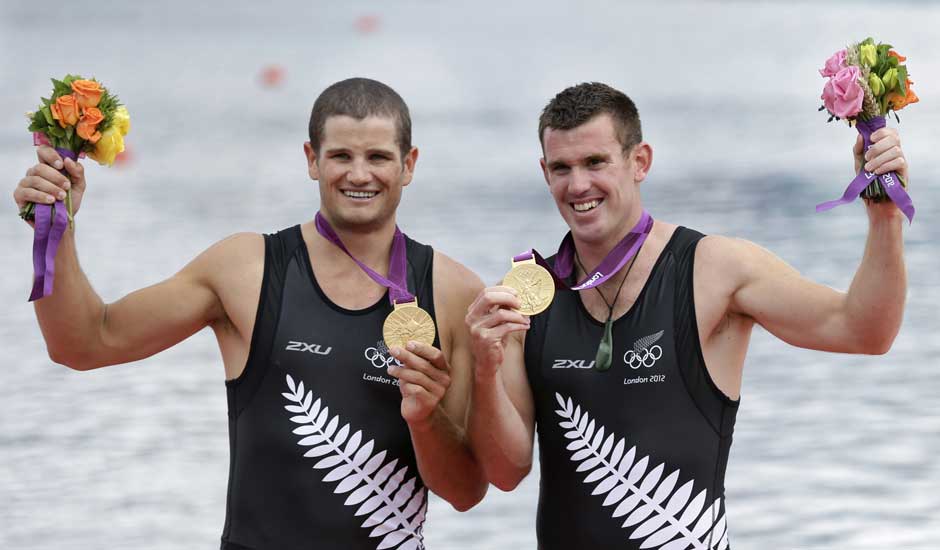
[866, 82]
[80, 117]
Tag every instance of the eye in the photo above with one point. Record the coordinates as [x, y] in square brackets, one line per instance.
[340, 156]
[560, 170]
[596, 162]
[378, 157]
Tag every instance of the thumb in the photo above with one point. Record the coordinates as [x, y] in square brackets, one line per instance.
[76, 173]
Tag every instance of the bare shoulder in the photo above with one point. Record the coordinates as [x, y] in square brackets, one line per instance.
[454, 282]
[231, 266]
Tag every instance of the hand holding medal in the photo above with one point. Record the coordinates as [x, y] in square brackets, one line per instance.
[535, 281]
[407, 321]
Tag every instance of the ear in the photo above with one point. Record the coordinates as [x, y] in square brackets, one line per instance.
[312, 167]
[408, 166]
[643, 161]
[544, 170]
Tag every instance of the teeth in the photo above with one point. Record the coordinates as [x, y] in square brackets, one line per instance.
[585, 206]
[360, 194]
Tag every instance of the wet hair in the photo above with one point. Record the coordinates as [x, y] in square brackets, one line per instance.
[360, 98]
[576, 105]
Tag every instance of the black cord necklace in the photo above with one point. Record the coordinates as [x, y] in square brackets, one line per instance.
[605, 348]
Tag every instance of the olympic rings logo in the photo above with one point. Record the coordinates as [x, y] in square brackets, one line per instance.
[379, 360]
[644, 358]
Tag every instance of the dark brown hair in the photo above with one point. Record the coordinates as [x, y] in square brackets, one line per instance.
[360, 98]
[576, 105]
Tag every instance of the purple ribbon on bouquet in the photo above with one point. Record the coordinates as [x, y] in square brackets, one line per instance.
[49, 227]
[618, 257]
[889, 181]
[397, 281]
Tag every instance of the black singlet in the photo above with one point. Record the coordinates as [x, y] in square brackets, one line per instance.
[320, 455]
[635, 456]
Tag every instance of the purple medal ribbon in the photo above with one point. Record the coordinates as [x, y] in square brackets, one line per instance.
[618, 257]
[396, 283]
[889, 181]
[49, 227]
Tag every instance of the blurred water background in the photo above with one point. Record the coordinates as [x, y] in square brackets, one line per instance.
[831, 451]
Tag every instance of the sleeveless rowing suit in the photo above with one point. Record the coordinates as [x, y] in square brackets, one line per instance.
[635, 456]
[320, 455]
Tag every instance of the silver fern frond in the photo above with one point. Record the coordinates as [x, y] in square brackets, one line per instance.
[647, 341]
[650, 501]
[396, 508]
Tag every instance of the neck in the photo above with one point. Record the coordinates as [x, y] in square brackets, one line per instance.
[592, 253]
[370, 245]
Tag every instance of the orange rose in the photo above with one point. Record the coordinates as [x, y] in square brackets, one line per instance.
[897, 101]
[88, 125]
[65, 110]
[899, 57]
[88, 92]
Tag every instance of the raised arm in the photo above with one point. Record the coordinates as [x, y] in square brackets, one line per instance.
[83, 332]
[502, 411]
[865, 319]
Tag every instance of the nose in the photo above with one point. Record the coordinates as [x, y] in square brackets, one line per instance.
[358, 174]
[580, 182]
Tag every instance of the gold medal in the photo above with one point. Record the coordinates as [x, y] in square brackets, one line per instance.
[534, 285]
[408, 322]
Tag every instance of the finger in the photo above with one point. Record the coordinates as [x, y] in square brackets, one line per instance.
[413, 376]
[882, 145]
[883, 158]
[76, 172]
[419, 364]
[38, 177]
[23, 195]
[500, 317]
[49, 156]
[503, 330]
[430, 353]
[50, 174]
[898, 165]
[494, 299]
[884, 133]
[857, 150]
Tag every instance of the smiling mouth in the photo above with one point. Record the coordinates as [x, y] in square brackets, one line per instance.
[586, 206]
[360, 194]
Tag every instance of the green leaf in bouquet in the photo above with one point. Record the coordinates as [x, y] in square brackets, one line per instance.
[868, 40]
[56, 131]
[902, 79]
[69, 132]
[892, 61]
[47, 114]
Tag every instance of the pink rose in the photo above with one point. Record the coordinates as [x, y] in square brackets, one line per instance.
[842, 94]
[833, 64]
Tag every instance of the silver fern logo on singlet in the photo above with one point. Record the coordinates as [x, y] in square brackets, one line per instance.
[645, 352]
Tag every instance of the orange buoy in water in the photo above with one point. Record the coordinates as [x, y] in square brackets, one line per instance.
[272, 76]
[367, 24]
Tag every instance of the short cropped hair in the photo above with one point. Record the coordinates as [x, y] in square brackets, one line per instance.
[576, 105]
[360, 98]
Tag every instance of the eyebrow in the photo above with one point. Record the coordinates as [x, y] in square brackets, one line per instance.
[563, 164]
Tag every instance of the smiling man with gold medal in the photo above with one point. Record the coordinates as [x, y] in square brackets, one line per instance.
[625, 353]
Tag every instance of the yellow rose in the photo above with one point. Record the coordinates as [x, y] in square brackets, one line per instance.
[867, 54]
[121, 119]
[108, 147]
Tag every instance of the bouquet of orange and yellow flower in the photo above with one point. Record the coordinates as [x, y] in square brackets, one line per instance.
[80, 118]
[866, 82]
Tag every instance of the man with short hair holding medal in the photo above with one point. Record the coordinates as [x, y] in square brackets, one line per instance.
[347, 361]
[630, 364]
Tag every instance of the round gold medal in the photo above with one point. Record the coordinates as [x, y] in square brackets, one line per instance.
[534, 285]
[408, 322]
